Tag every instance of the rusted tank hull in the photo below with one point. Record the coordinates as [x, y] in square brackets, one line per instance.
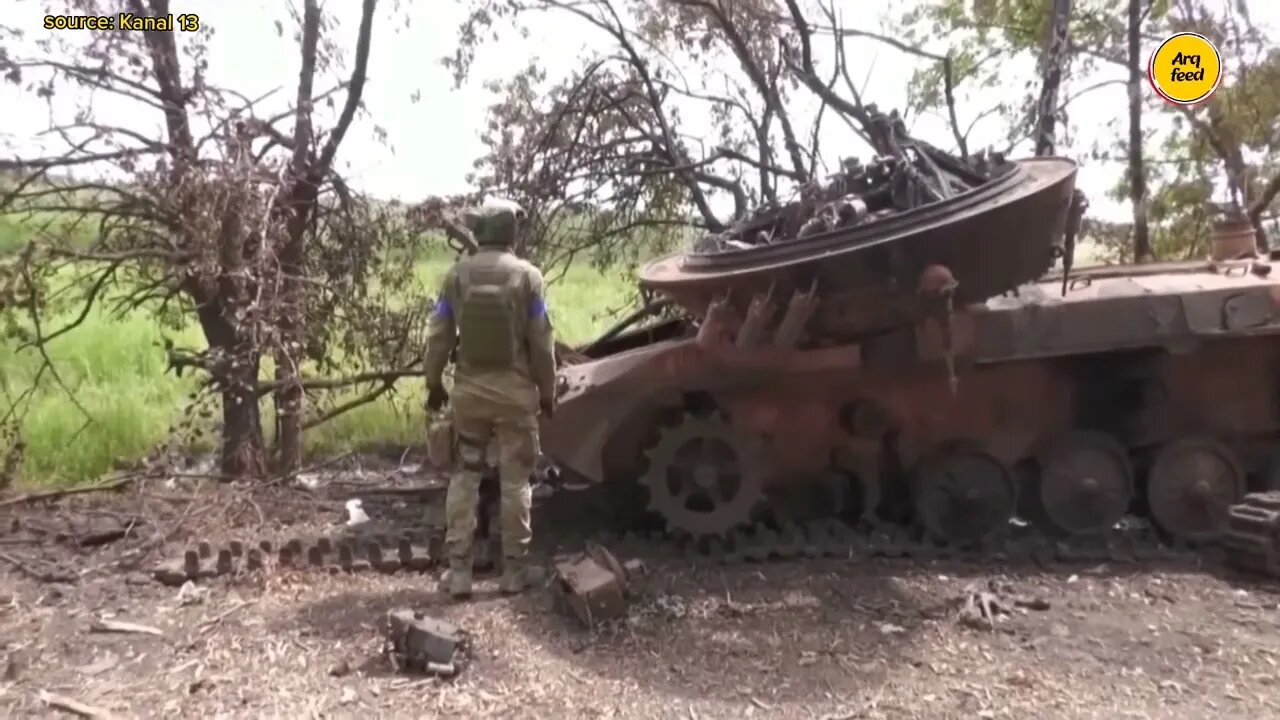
[992, 239]
[1072, 409]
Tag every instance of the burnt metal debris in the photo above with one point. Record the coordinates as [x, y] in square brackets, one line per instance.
[990, 240]
[867, 236]
[1032, 369]
[907, 174]
[898, 333]
[422, 643]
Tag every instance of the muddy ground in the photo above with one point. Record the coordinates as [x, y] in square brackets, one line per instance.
[798, 639]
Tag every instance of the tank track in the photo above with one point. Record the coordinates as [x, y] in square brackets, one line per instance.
[772, 537]
[1251, 545]
[407, 535]
[417, 550]
[1252, 540]
[420, 550]
[835, 539]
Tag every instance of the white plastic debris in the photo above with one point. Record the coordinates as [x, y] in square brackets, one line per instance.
[891, 629]
[355, 513]
[191, 594]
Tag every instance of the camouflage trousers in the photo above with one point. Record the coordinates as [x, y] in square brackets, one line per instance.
[515, 437]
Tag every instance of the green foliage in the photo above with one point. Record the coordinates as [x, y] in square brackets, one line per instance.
[986, 38]
[114, 368]
[1185, 163]
[19, 228]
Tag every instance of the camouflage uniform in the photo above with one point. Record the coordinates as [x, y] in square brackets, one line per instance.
[492, 310]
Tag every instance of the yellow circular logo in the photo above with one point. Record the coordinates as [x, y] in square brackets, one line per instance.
[1185, 69]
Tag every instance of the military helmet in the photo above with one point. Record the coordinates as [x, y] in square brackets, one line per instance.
[494, 224]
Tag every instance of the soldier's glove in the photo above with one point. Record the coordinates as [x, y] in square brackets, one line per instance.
[548, 406]
[436, 397]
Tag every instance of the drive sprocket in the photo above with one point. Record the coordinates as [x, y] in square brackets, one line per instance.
[704, 477]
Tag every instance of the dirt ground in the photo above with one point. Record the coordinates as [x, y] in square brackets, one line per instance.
[800, 639]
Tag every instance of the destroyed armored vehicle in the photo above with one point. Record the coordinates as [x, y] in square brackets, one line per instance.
[919, 367]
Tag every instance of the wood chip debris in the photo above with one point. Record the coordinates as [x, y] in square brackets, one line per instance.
[102, 625]
[74, 707]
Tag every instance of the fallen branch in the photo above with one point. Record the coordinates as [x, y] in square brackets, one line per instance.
[339, 383]
[982, 607]
[51, 576]
[74, 707]
[117, 626]
[56, 494]
[212, 622]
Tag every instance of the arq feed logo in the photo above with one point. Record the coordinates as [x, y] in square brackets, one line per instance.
[1185, 69]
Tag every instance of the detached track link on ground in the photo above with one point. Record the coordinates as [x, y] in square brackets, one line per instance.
[417, 550]
[1253, 534]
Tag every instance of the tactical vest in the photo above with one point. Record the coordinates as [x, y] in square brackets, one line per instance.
[487, 317]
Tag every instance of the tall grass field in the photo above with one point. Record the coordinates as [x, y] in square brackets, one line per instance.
[125, 403]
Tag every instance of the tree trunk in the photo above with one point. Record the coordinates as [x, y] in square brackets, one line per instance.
[289, 395]
[1142, 251]
[301, 198]
[242, 452]
[1244, 189]
[289, 404]
[1053, 58]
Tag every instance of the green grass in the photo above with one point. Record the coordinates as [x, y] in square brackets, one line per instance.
[114, 368]
[12, 235]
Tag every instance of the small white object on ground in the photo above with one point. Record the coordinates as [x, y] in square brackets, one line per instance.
[355, 513]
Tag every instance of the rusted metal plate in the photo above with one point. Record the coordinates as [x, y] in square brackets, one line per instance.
[1111, 309]
[590, 590]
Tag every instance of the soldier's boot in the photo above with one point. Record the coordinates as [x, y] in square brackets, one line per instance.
[458, 579]
[517, 576]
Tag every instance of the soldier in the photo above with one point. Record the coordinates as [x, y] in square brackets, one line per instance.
[492, 309]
